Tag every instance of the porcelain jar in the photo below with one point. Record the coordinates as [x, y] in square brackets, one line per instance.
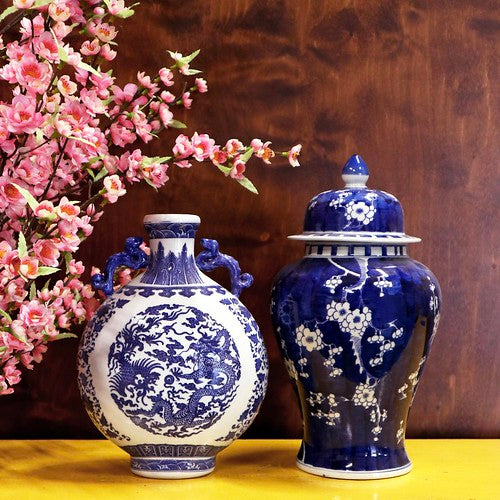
[172, 367]
[355, 319]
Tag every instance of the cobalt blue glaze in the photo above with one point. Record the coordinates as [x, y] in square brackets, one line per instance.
[354, 210]
[355, 165]
[355, 323]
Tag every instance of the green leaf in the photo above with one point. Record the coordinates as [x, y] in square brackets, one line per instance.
[67, 259]
[149, 160]
[81, 140]
[148, 181]
[247, 184]
[6, 315]
[102, 173]
[88, 68]
[176, 124]
[39, 135]
[7, 12]
[190, 57]
[126, 13]
[44, 271]
[41, 3]
[61, 336]
[3, 349]
[21, 245]
[191, 71]
[247, 155]
[32, 291]
[33, 204]
[184, 60]
[223, 169]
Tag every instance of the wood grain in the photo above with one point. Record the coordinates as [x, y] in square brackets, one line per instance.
[410, 85]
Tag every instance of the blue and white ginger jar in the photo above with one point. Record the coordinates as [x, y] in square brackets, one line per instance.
[172, 367]
[355, 319]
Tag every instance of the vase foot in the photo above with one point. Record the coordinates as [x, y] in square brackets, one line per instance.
[171, 468]
[350, 474]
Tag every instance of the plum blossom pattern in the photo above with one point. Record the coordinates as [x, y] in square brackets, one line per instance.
[324, 407]
[360, 212]
[310, 339]
[333, 283]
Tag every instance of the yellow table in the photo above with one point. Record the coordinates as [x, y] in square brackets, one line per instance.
[263, 469]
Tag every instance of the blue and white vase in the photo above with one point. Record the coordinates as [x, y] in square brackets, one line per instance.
[172, 367]
[355, 319]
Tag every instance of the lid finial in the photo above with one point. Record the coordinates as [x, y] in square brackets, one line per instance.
[355, 172]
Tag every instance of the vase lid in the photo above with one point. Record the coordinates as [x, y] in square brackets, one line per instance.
[355, 214]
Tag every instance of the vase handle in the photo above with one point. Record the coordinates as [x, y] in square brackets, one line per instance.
[132, 256]
[211, 258]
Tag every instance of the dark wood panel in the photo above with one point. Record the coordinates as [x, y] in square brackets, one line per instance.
[412, 87]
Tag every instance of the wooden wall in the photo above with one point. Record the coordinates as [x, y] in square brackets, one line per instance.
[412, 86]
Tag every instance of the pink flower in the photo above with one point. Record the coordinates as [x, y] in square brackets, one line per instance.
[6, 252]
[124, 277]
[257, 145]
[266, 153]
[166, 115]
[183, 164]
[183, 147]
[167, 77]
[186, 101]
[201, 85]
[167, 97]
[24, 266]
[293, 155]
[34, 314]
[59, 11]
[67, 210]
[114, 188]
[46, 47]
[145, 80]
[218, 156]
[122, 135]
[45, 210]
[107, 52]
[76, 267]
[115, 7]
[47, 252]
[202, 146]
[156, 173]
[61, 30]
[237, 170]
[68, 239]
[233, 146]
[105, 32]
[11, 193]
[23, 4]
[22, 116]
[92, 102]
[90, 47]
[11, 373]
[66, 86]
[38, 352]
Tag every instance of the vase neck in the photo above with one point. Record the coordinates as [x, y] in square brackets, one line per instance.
[172, 260]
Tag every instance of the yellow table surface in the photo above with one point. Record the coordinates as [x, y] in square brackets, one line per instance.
[454, 469]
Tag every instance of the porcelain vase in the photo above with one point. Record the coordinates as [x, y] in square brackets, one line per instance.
[172, 367]
[355, 319]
